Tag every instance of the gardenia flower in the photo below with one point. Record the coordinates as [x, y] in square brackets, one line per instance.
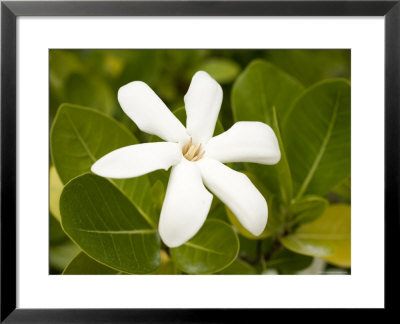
[195, 156]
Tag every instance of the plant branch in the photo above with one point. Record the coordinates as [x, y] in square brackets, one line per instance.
[276, 247]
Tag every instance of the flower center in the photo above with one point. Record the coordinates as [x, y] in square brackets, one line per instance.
[192, 152]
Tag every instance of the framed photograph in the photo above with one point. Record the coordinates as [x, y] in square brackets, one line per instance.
[197, 158]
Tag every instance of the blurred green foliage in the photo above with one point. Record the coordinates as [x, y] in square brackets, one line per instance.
[92, 78]
[288, 78]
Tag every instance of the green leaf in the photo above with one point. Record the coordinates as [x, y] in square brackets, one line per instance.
[61, 254]
[328, 237]
[317, 138]
[238, 267]
[342, 251]
[264, 93]
[344, 190]
[310, 66]
[217, 210]
[212, 249]
[307, 209]
[139, 192]
[80, 136]
[157, 195]
[260, 87]
[223, 70]
[56, 234]
[288, 262]
[56, 187]
[282, 173]
[140, 64]
[107, 226]
[88, 91]
[82, 264]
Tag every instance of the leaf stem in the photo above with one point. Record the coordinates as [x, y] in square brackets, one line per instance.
[284, 177]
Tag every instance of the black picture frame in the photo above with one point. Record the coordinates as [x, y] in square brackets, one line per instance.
[11, 10]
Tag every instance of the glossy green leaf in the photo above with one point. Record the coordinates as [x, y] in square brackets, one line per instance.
[139, 192]
[107, 226]
[265, 93]
[329, 236]
[317, 138]
[82, 264]
[307, 209]
[223, 70]
[157, 195]
[56, 234]
[342, 252]
[80, 136]
[288, 262]
[238, 267]
[212, 249]
[282, 173]
[260, 87]
[316, 267]
[56, 187]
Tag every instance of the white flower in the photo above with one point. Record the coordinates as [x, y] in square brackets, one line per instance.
[196, 158]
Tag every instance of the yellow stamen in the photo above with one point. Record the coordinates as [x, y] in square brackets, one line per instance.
[192, 152]
[186, 147]
[198, 157]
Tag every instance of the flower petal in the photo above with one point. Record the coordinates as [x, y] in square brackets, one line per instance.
[149, 113]
[236, 191]
[245, 142]
[136, 160]
[202, 103]
[186, 205]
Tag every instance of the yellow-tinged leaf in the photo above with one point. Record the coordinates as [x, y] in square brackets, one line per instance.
[328, 237]
[56, 187]
[342, 254]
